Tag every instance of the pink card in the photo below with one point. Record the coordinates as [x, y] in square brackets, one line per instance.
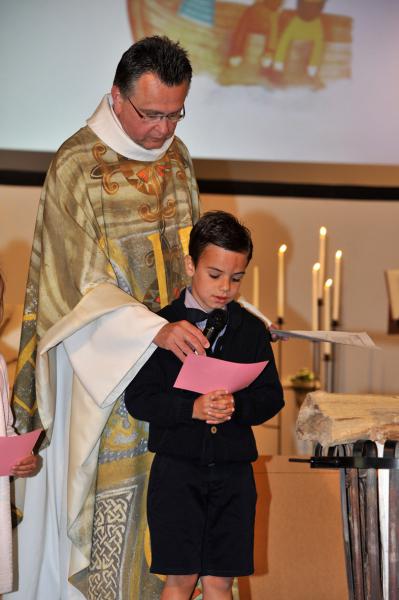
[15, 447]
[205, 374]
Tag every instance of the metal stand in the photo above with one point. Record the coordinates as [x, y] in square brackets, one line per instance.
[316, 359]
[280, 323]
[334, 354]
[319, 310]
[316, 345]
[359, 465]
[328, 372]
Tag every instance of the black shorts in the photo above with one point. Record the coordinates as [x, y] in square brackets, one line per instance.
[201, 518]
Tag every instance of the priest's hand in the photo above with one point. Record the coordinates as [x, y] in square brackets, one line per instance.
[26, 467]
[275, 337]
[181, 338]
[214, 408]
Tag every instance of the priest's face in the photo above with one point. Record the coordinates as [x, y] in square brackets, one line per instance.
[140, 112]
[216, 278]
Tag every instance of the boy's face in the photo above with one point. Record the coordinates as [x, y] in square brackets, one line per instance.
[217, 277]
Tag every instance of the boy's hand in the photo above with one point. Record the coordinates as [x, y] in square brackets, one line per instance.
[214, 408]
[26, 467]
[181, 338]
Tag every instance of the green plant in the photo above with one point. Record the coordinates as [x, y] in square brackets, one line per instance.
[304, 375]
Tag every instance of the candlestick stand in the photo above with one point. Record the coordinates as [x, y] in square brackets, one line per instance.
[316, 345]
[334, 352]
[280, 323]
[316, 359]
[327, 372]
[319, 310]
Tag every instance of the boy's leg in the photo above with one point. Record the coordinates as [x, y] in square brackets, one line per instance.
[216, 588]
[179, 587]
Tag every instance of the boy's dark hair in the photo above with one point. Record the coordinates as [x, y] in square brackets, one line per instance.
[221, 229]
[158, 55]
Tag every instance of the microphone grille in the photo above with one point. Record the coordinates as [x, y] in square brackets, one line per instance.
[217, 318]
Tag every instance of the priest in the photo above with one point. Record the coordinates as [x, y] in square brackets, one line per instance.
[112, 229]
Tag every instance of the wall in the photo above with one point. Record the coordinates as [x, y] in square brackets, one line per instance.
[18, 207]
[366, 233]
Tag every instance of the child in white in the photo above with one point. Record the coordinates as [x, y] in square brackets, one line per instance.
[24, 468]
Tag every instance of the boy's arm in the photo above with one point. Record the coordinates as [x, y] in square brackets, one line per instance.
[150, 398]
[263, 399]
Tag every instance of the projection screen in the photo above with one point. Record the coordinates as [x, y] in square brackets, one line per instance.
[308, 81]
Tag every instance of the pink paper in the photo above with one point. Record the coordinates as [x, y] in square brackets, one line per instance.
[204, 374]
[15, 447]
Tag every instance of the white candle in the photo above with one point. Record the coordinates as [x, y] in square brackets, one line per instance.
[327, 313]
[255, 287]
[315, 288]
[337, 286]
[322, 259]
[280, 282]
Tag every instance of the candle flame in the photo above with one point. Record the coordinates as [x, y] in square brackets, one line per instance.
[323, 231]
[328, 283]
[338, 254]
[282, 249]
[316, 267]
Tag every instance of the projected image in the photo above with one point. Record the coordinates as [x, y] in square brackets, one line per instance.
[304, 81]
[254, 43]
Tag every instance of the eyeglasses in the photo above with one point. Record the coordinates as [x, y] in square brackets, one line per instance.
[153, 118]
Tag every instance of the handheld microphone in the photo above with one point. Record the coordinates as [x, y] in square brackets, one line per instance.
[216, 321]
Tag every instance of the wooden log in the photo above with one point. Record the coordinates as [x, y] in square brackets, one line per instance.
[332, 419]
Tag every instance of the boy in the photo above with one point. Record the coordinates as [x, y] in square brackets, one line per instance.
[201, 494]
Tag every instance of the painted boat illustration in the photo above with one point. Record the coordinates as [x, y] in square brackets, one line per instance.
[262, 43]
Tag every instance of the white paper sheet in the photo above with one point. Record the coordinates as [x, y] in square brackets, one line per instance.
[360, 339]
[15, 447]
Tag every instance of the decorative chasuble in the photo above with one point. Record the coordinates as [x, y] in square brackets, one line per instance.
[106, 219]
[103, 218]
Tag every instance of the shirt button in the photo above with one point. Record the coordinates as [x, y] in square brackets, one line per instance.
[214, 429]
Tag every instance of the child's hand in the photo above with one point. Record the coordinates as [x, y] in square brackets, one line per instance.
[26, 467]
[214, 407]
